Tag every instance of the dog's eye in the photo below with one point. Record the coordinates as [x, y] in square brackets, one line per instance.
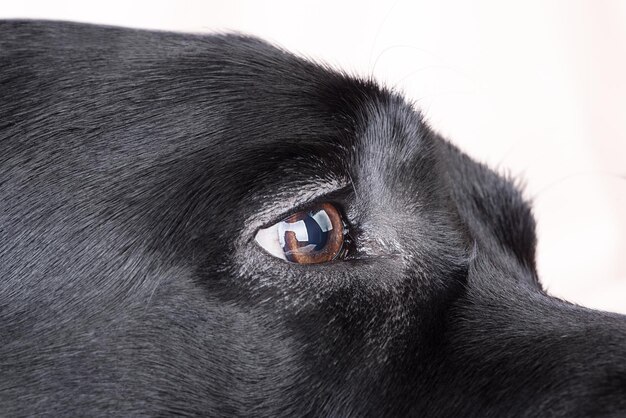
[311, 236]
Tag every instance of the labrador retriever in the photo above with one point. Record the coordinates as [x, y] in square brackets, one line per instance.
[208, 225]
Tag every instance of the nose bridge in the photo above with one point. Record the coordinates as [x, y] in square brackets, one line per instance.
[585, 351]
[579, 334]
[518, 311]
[527, 344]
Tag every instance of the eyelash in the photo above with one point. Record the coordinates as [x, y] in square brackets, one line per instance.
[334, 198]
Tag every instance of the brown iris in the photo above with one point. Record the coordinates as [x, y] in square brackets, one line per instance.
[312, 236]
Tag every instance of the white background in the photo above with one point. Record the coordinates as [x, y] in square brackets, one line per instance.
[536, 87]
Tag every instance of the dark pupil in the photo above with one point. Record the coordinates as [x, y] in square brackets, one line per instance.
[315, 233]
[306, 234]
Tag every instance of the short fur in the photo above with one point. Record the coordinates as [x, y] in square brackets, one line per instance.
[136, 167]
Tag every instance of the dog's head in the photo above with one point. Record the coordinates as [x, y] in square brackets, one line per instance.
[209, 225]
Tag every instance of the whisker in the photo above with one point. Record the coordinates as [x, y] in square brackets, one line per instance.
[405, 46]
[378, 31]
[356, 195]
[450, 68]
[598, 173]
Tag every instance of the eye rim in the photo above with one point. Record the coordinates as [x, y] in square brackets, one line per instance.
[339, 241]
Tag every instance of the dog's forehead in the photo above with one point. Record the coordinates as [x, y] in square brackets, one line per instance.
[234, 120]
[331, 124]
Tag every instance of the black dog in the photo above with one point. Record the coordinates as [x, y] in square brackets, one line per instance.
[208, 225]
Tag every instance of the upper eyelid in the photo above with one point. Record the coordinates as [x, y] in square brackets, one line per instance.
[284, 204]
[299, 208]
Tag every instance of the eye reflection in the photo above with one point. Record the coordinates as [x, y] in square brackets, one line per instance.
[306, 237]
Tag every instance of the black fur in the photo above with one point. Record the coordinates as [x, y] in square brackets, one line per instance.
[135, 169]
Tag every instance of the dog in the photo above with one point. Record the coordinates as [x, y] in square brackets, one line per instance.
[208, 225]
